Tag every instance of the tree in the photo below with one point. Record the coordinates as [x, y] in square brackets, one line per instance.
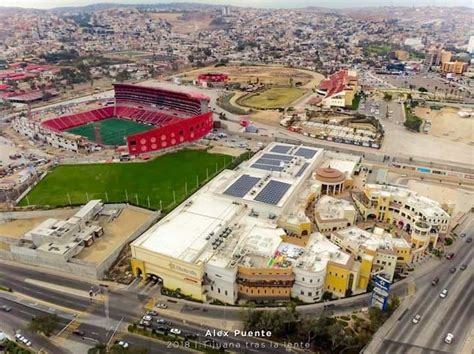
[99, 348]
[335, 333]
[45, 324]
[422, 89]
[387, 96]
[123, 75]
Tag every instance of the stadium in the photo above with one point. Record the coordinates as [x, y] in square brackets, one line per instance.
[144, 118]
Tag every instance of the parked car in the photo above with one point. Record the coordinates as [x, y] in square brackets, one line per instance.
[443, 293]
[123, 344]
[79, 333]
[463, 267]
[161, 306]
[152, 313]
[416, 319]
[163, 321]
[175, 331]
[469, 239]
[5, 308]
[450, 255]
[449, 338]
[144, 323]
[452, 270]
[435, 281]
[147, 318]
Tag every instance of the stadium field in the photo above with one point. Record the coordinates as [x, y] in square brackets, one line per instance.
[277, 97]
[148, 184]
[113, 131]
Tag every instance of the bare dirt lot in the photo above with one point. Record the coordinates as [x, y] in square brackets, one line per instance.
[446, 124]
[17, 228]
[185, 22]
[277, 75]
[115, 233]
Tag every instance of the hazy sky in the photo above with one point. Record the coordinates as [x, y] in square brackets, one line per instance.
[253, 3]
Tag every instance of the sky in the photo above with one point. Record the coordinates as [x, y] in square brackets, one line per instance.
[253, 3]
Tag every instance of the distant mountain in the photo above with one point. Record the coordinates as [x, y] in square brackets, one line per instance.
[182, 6]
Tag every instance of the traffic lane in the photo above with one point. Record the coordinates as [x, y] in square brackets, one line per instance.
[390, 347]
[455, 319]
[424, 297]
[96, 334]
[21, 273]
[19, 319]
[229, 340]
[429, 331]
[41, 293]
[425, 301]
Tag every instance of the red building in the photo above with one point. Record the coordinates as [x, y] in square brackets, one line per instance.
[178, 116]
[213, 77]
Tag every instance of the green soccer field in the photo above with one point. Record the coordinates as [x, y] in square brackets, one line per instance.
[113, 131]
[148, 184]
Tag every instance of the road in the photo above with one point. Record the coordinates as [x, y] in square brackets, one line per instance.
[438, 316]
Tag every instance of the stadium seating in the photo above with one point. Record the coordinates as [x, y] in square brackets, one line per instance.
[74, 120]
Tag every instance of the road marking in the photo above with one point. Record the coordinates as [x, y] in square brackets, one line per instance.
[59, 288]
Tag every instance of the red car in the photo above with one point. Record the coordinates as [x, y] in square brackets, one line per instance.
[450, 255]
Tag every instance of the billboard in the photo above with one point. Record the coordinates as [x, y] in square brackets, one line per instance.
[380, 293]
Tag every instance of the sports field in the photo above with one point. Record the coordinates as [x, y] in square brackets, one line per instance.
[113, 131]
[277, 97]
[142, 183]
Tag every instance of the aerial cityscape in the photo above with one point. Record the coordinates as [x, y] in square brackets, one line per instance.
[236, 177]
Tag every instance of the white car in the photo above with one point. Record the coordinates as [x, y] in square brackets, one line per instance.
[449, 338]
[175, 331]
[123, 344]
[147, 318]
[443, 293]
[161, 306]
[416, 319]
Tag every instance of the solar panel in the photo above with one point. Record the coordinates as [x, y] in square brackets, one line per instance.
[242, 186]
[267, 167]
[306, 153]
[277, 157]
[281, 149]
[302, 169]
[265, 161]
[272, 192]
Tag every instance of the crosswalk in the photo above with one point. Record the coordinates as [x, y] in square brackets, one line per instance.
[144, 288]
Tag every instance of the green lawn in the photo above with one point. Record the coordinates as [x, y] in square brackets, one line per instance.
[272, 98]
[155, 179]
[113, 131]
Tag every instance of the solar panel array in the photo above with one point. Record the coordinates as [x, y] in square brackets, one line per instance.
[306, 153]
[272, 162]
[242, 186]
[302, 169]
[272, 192]
[281, 149]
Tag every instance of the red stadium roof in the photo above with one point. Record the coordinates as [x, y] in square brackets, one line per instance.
[335, 83]
[3, 87]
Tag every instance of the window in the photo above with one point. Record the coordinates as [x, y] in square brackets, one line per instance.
[303, 279]
[302, 292]
[219, 290]
[212, 288]
[310, 293]
[225, 293]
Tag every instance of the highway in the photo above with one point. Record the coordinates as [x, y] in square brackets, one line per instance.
[438, 316]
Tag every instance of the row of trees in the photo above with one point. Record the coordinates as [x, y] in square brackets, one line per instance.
[323, 333]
